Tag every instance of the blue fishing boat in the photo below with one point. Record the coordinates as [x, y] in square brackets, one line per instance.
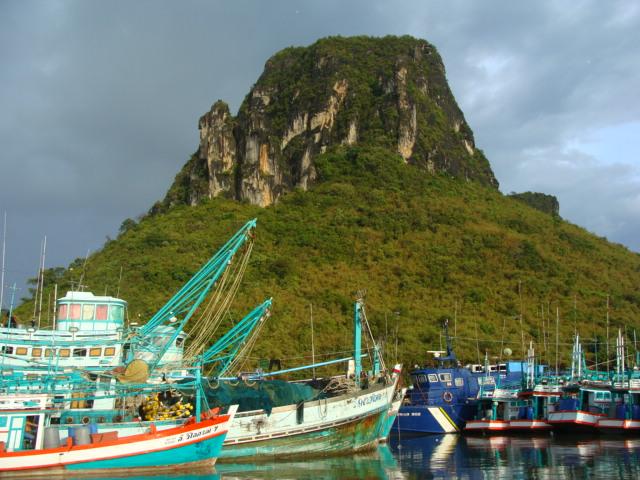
[442, 399]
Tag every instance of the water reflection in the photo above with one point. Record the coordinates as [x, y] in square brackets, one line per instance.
[512, 457]
[379, 464]
[451, 456]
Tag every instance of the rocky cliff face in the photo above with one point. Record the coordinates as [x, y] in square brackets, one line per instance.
[390, 92]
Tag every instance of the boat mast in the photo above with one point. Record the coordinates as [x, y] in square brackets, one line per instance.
[608, 335]
[119, 280]
[357, 340]
[557, 340]
[35, 297]
[4, 241]
[521, 325]
[55, 299]
[44, 254]
[313, 349]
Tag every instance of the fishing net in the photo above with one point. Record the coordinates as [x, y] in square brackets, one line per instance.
[258, 395]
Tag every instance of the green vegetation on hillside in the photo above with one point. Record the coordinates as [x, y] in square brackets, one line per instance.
[424, 248]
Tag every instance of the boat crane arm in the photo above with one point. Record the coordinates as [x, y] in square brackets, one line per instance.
[228, 348]
[181, 307]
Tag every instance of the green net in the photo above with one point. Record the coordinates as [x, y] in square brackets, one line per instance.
[258, 395]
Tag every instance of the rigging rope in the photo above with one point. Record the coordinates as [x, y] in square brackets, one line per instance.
[218, 306]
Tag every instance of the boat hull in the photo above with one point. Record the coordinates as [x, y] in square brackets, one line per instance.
[612, 426]
[486, 426]
[198, 443]
[426, 419]
[531, 426]
[391, 418]
[574, 420]
[343, 424]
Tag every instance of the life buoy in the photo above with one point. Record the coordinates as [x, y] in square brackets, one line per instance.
[447, 396]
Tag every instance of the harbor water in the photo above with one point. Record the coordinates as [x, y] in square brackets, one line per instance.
[451, 456]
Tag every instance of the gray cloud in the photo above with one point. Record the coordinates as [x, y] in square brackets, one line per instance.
[100, 100]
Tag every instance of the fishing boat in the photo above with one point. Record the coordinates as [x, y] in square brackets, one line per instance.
[512, 408]
[442, 399]
[38, 439]
[352, 412]
[187, 445]
[624, 410]
[585, 399]
[90, 332]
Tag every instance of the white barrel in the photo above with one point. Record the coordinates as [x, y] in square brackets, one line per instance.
[83, 436]
[51, 437]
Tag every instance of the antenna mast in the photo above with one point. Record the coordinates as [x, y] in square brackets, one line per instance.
[44, 254]
[313, 348]
[4, 242]
[607, 334]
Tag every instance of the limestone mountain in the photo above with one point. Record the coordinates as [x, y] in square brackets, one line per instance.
[388, 194]
[390, 92]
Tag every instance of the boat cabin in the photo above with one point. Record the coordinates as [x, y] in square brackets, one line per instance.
[85, 312]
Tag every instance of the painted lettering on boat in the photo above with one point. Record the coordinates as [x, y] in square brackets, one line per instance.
[191, 435]
[374, 397]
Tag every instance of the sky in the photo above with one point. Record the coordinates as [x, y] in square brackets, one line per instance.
[100, 101]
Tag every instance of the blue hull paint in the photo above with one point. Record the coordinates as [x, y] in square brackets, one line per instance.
[195, 452]
[419, 419]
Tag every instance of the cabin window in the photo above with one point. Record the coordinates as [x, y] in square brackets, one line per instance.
[116, 312]
[95, 352]
[101, 312]
[502, 367]
[8, 350]
[179, 341]
[3, 421]
[36, 352]
[433, 378]
[64, 352]
[87, 312]
[62, 312]
[459, 382]
[21, 350]
[75, 311]
[445, 377]
[48, 352]
[109, 351]
[79, 352]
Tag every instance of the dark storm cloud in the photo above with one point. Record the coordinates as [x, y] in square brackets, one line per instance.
[100, 100]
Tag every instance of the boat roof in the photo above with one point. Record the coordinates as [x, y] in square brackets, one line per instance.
[72, 296]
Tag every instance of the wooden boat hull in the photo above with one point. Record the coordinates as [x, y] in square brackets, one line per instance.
[574, 420]
[342, 424]
[351, 435]
[524, 426]
[486, 426]
[613, 426]
[505, 427]
[391, 418]
[196, 443]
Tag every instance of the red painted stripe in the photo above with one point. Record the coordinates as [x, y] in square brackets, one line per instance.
[582, 412]
[125, 440]
[98, 459]
[579, 422]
